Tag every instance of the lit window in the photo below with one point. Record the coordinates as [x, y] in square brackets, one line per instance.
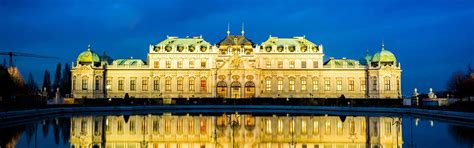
[133, 85]
[268, 84]
[191, 126]
[328, 127]
[280, 64]
[292, 64]
[362, 85]
[84, 83]
[303, 84]
[269, 126]
[191, 64]
[167, 126]
[388, 128]
[387, 83]
[168, 84]
[303, 64]
[120, 85]
[191, 84]
[145, 84]
[168, 64]
[315, 85]
[179, 125]
[203, 126]
[156, 64]
[316, 127]
[292, 84]
[203, 64]
[268, 64]
[339, 85]
[315, 64]
[203, 85]
[351, 85]
[352, 127]
[280, 126]
[292, 126]
[108, 84]
[156, 84]
[339, 128]
[180, 64]
[280, 84]
[327, 85]
[180, 84]
[303, 126]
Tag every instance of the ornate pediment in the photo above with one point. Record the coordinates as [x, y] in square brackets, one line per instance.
[236, 62]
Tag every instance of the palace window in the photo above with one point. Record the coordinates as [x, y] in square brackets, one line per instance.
[84, 83]
[268, 84]
[387, 83]
[292, 64]
[388, 128]
[280, 64]
[339, 85]
[203, 64]
[303, 64]
[398, 84]
[74, 83]
[316, 127]
[167, 126]
[339, 128]
[180, 84]
[292, 125]
[191, 126]
[180, 64]
[315, 85]
[191, 84]
[179, 125]
[168, 64]
[202, 126]
[83, 126]
[203, 85]
[303, 84]
[303, 126]
[268, 64]
[315, 64]
[156, 126]
[362, 85]
[132, 126]
[374, 83]
[191, 64]
[119, 127]
[292, 84]
[280, 84]
[156, 64]
[328, 127]
[156, 84]
[145, 84]
[168, 84]
[351, 85]
[120, 85]
[280, 126]
[351, 127]
[108, 84]
[327, 85]
[97, 83]
[133, 85]
[268, 126]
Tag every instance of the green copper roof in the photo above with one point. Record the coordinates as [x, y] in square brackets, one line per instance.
[301, 41]
[88, 57]
[129, 62]
[172, 41]
[384, 56]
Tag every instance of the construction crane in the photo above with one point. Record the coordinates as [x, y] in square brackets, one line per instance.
[20, 54]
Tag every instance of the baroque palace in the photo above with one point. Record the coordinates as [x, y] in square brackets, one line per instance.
[236, 67]
[235, 131]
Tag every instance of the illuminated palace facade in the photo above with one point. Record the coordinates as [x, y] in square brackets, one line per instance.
[235, 131]
[236, 67]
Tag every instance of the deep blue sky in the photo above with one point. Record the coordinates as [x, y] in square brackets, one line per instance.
[430, 38]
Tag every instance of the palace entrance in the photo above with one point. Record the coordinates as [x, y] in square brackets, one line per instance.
[221, 89]
[249, 89]
[235, 90]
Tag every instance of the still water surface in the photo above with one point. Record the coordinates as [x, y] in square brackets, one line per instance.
[226, 130]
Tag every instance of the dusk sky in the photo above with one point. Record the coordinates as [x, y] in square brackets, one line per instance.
[431, 38]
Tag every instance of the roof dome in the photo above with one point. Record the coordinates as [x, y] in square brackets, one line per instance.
[384, 56]
[88, 57]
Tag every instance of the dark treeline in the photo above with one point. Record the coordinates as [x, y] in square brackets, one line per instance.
[12, 83]
[461, 84]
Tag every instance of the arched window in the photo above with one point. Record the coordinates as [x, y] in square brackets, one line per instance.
[292, 84]
[97, 82]
[303, 84]
[280, 84]
[203, 84]
[84, 82]
[386, 82]
[180, 84]
[191, 84]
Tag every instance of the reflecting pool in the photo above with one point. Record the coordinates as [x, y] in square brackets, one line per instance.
[236, 130]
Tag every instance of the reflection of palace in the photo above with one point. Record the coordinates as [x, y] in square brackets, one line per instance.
[226, 131]
[236, 68]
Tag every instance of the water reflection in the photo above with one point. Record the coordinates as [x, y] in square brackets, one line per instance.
[235, 130]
